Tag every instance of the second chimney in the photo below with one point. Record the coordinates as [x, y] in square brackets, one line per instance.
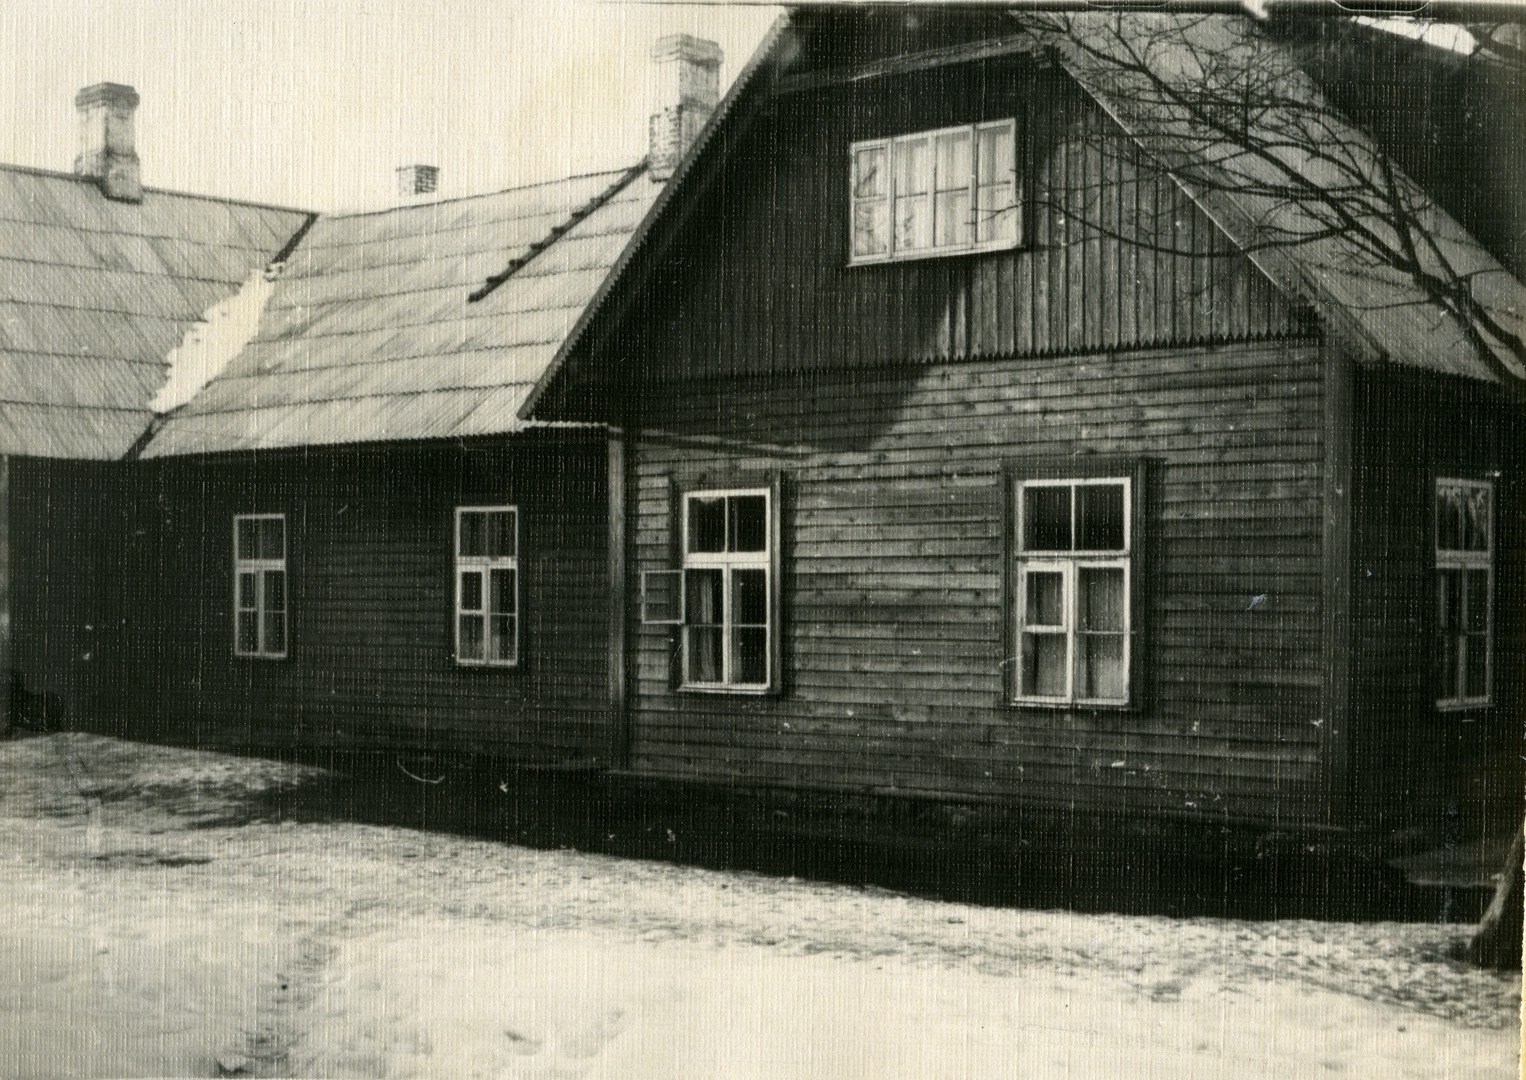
[689, 86]
[418, 181]
[107, 145]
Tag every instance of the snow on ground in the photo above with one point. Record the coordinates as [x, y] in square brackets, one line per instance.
[147, 934]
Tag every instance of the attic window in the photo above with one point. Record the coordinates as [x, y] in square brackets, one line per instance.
[933, 193]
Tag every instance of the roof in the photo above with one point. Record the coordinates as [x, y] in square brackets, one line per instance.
[420, 322]
[1144, 70]
[95, 294]
[1255, 142]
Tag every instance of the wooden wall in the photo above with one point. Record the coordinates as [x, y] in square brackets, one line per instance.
[1411, 427]
[370, 571]
[893, 549]
[1115, 255]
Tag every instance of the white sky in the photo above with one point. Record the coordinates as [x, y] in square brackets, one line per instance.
[313, 103]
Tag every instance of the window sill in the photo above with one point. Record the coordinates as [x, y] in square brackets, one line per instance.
[730, 691]
[276, 657]
[472, 665]
[855, 261]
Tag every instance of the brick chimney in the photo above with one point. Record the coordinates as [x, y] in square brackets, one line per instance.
[107, 146]
[688, 88]
[418, 181]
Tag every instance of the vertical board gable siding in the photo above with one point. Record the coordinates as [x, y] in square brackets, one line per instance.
[761, 281]
[894, 541]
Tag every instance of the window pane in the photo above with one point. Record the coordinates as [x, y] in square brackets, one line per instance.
[1046, 518]
[702, 597]
[1099, 517]
[954, 169]
[501, 592]
[1476, 519]
[502, 638]
[911, 167]
[1043, 665]
[1102, 673]
[500, 541]
[869, 172]
[1446, 666]
[1478, 601]
[996, 213]
[1476, 666]
[749, 658]
[659, 596]
[248, 538]
[997, 156]
[1045, 598]
[246, 592]
[871, 228]
[953, 218]
[471, 590]
[275, 590]
[749, 523]
[1101, 600]
[1448, 600]
[470, 541]
[749, 597]
[704, 644]
[273, 538]
[707, 523]
[913, 224]
[248, 632]
[469, 645]
[275, 632]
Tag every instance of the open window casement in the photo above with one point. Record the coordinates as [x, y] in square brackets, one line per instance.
[662, 597]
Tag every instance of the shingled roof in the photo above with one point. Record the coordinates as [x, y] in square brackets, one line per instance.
[95, 294]
[419, 322]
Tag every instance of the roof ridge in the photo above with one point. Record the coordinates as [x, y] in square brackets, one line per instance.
[349, 214]
[557, 231]
[57, 174]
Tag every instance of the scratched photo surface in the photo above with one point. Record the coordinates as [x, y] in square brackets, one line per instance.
[656, 540]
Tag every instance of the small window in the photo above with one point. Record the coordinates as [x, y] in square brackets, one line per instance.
[722, 597]
[1464, 651]
[260, 611]
[487, 586]
[934, 193]
[1073, 595]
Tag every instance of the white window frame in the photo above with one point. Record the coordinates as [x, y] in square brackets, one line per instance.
[482, 566]
[1069, 564]
[933, 250]
[261, 568]
[1465, 561]
[728, 563]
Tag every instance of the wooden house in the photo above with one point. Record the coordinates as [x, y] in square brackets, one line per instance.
[988, 433]
[328, 526]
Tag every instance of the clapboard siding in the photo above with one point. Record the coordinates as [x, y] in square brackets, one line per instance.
[371, 595]
[1411, 428]
[894, 544]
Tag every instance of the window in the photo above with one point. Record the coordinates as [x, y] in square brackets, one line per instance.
[259, 585]
[1073, 591]
[934, 192]
[1464, 592]
[722, 598]
[487, 586]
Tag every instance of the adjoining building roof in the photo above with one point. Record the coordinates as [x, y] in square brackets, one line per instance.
[420, 322]
[95, 294]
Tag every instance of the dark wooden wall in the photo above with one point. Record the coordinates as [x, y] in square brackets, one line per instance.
[1115, 254]
[1411, 427]
[892, 591]
[370, 580]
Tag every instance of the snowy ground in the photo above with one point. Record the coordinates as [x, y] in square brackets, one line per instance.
[148, 932]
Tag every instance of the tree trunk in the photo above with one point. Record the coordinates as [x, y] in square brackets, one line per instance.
[1497, 942]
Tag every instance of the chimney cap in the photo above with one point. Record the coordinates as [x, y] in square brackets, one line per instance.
[687, 47]
[107, 93]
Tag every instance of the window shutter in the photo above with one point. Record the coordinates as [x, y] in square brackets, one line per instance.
[662, 597]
